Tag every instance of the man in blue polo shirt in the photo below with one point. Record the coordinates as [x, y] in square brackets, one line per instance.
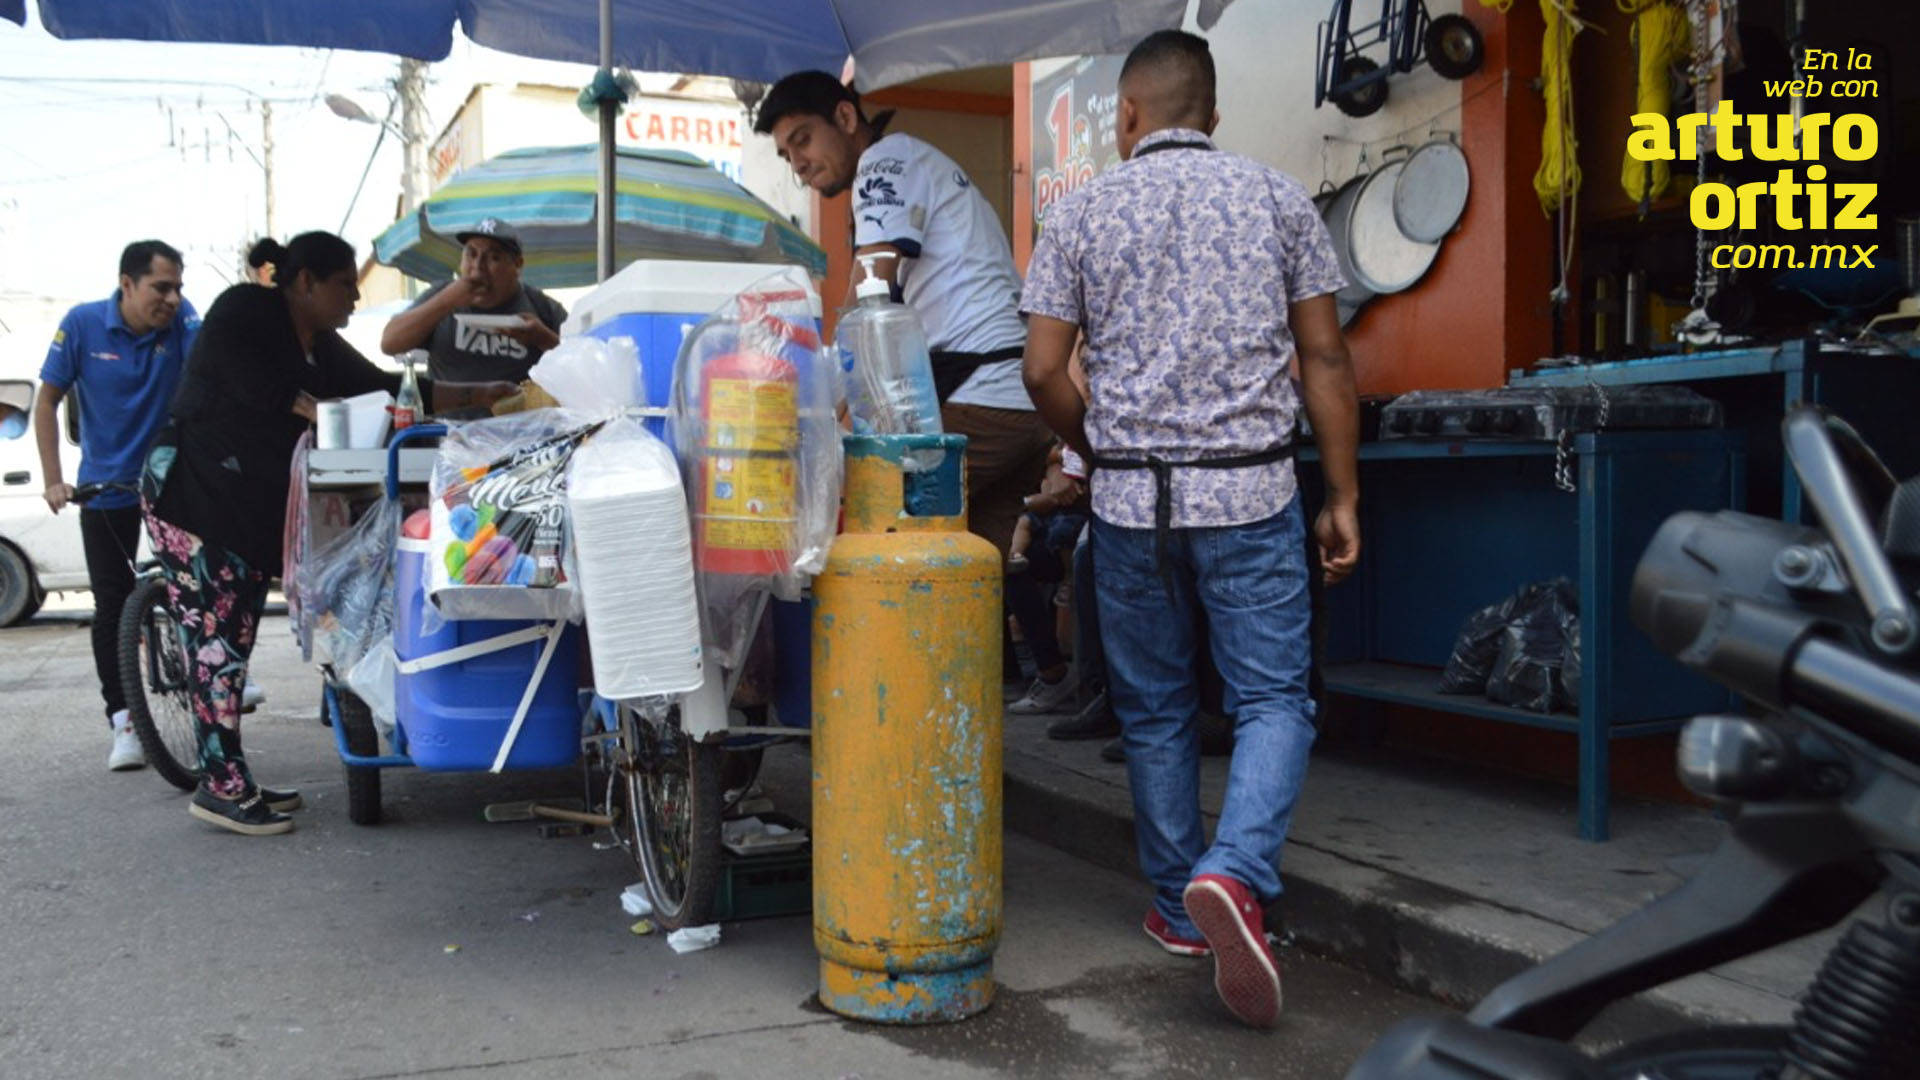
[122, 358]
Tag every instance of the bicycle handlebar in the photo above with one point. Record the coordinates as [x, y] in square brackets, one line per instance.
[400, 439]
[85, 493]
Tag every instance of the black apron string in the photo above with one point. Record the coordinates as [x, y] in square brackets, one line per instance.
[951, 370]
[1162, 470]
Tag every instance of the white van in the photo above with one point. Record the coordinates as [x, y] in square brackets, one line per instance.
[40, 551]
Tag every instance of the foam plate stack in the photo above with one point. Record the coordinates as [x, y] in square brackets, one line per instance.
[634, 554]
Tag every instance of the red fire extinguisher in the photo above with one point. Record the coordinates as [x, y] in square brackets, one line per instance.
[745, 499]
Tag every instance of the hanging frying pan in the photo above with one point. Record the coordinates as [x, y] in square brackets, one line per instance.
[1382, 258]
[1333, 206]
[1431, 192]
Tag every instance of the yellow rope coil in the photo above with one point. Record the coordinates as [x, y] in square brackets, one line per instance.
[1664, 38]
[1558, 178]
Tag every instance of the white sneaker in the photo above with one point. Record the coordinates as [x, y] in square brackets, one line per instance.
[1046, 697]
[253, 696]
[126, 753]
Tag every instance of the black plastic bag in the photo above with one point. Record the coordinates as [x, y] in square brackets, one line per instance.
[1476, 649]
[1530, 672]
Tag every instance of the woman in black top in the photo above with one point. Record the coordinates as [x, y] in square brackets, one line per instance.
[217, 479]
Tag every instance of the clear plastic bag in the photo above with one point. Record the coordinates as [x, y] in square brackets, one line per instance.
[586, 374]
[372, 680]
[754, 425]
[346, 587]
[497, 538]
[295, 542]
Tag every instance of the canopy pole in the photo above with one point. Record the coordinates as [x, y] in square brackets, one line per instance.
[607, 105]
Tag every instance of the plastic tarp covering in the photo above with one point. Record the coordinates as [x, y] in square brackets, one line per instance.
[416, 28]
[892, 41]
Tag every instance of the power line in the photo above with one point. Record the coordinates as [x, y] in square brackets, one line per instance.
[118, 81]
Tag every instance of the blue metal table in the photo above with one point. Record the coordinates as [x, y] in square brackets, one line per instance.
[1450, 527]
[1875, 391]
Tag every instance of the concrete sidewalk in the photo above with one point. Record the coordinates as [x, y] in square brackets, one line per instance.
[1444, 879]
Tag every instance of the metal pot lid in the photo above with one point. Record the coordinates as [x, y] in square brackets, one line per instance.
[1383, 258]
[1431, 193]
[1336, 211]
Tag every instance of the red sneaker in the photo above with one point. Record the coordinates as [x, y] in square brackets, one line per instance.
[1163, 935]
[1244, 971]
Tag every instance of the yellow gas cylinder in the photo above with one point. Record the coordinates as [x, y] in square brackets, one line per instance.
[906, 742]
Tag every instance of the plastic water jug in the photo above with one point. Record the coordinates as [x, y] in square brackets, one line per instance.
[892, 370]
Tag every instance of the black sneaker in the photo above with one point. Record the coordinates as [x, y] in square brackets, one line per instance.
[1114, 750]
[249, 816]
[1096, 721]
[283, 802]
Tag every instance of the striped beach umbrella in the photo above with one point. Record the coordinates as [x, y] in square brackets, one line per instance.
[667, 205]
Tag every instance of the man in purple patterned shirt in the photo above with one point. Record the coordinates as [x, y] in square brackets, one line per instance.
[1198, 278]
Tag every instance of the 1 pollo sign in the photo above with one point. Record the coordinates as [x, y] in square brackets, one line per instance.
[710, 131]
[1072, 133]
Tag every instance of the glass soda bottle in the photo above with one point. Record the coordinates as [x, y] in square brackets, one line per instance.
[408, 409]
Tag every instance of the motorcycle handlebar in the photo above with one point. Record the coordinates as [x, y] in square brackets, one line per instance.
[1876, 703]
[1812, 438]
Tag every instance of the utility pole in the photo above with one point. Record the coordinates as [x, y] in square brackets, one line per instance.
[266, 160]
[412, 87]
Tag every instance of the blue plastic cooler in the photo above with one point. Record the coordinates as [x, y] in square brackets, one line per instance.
[656, 302]
[456, 716]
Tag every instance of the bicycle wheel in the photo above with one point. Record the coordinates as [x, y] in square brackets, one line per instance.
[154, 675]
[671, 821]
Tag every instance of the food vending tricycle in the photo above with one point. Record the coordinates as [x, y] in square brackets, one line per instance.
[552, 533]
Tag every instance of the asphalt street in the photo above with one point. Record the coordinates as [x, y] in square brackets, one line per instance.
[137, 942]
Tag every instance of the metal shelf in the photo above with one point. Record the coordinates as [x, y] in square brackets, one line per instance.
[1404, 684]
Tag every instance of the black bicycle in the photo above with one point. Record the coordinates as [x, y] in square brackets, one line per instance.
[154, 667]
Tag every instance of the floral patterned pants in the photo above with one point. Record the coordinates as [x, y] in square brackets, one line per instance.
[217, 598]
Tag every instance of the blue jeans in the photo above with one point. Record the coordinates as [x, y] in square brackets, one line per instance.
[1250, 584]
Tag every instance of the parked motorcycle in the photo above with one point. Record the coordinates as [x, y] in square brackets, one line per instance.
[1816, 628]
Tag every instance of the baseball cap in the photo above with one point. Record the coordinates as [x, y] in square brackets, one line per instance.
[494, 229]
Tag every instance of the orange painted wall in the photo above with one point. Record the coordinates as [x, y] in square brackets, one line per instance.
[1482, 308]
[1022, 165]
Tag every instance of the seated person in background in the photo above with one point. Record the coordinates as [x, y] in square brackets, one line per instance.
[1032, 572]
[488, 284]
[1055, 514]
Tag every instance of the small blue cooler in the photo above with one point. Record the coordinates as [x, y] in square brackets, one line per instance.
[657, 302]
[456, 716]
